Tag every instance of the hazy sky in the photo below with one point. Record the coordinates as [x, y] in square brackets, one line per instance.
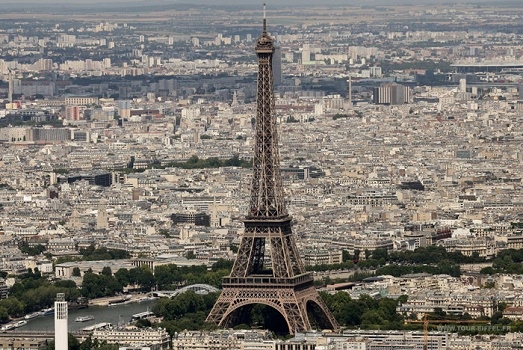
[14, 5]
[249, 2]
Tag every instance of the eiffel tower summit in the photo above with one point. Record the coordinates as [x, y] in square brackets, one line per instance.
[268, 269]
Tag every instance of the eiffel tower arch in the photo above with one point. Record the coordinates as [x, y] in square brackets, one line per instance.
[268, 269]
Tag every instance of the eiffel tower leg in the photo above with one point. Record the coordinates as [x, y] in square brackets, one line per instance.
[311, 295]
[220, 308]
[292, 305]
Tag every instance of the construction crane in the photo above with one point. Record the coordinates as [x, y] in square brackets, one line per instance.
[426, 322]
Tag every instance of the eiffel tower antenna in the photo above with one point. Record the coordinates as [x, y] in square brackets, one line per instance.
[264, 19]
[268, 269]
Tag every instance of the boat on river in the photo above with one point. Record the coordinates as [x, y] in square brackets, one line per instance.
[20, 323]
[48, 312]
[84, 318]
[120, 301]
[33, 315]
[7, 327]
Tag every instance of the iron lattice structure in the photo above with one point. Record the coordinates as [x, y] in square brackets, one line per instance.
[268, 269]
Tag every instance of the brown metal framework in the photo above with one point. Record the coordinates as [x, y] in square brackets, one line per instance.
[268, 269]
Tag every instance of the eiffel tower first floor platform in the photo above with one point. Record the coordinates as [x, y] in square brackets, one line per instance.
[294, 298]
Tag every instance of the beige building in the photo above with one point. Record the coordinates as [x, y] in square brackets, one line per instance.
[155, 338]
[81, 100]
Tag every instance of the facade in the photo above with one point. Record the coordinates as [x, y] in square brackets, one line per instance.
[313, 257]
[4, 290]
[155, 338]
[73, 112]
[65, 270]
[198, 219]
[81, 100]
[23, 343]
[48, 135]
[391, 94]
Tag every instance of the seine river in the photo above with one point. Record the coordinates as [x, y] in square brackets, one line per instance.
[118, 314]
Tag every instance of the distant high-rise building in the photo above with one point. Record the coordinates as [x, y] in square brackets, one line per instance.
[463, 85]
[306, 54]
[44, 64]
[61, 341]
[375, 71]
[72, 112]
[391, 94]
[218, 40]
[124, 109]
[349, 92]
[277, 66]
[10, 93]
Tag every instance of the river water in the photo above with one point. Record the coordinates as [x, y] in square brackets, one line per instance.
[118, 314]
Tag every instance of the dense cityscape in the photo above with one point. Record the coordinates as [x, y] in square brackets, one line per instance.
[131, 151]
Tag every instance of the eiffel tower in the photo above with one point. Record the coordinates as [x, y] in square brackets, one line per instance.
[268, 269]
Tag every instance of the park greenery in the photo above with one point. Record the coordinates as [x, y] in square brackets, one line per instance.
[32, 250]
[186, 311]
[94, 254]
[16, 120]
[189, 311]
[506, 261]
[194, 162]
[33, 292]
[91, 253]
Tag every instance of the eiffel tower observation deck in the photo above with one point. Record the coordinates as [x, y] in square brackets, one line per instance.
[268, 269]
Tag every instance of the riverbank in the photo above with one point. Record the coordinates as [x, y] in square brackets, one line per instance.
[119, 300]
[119, 314]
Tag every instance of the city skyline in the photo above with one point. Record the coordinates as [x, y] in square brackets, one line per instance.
[128, 152]
[259, 2]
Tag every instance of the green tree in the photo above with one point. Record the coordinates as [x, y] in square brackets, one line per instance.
[222, 264]
[345, 256]
[13, 306]
[4, 314]
[143, 323]
[106, 271]
[142, 276]
[76, 272]
[122, 276]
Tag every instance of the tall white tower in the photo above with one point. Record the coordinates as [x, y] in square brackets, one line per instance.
[10, 93]
[60, 323]
[463, 85]
[349, 93]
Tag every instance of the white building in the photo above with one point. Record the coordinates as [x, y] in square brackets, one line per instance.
[60, 323]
